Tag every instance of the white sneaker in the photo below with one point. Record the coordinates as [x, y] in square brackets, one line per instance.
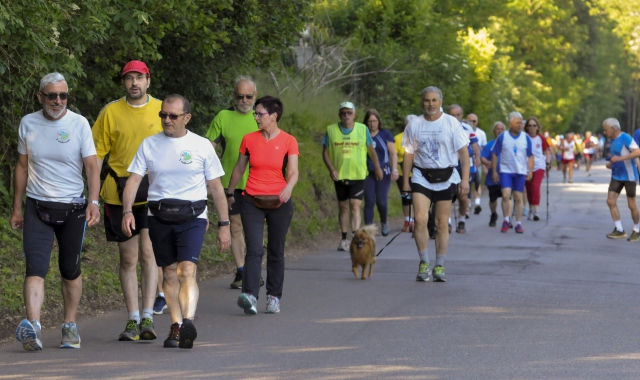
[530, 216]
[344, 245]
[273, 305]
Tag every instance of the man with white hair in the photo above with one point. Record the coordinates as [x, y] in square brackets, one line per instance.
[53, 146]
[433, 142]
[516, 165]
[495, 191]
[472, 118]
[624, 174]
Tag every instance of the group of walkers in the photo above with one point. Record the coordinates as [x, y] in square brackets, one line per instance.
[155, 200]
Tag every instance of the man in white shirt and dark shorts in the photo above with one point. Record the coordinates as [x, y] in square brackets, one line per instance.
[180, 165]
[433, 142]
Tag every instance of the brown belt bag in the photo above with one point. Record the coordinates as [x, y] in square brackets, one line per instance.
[267, 202]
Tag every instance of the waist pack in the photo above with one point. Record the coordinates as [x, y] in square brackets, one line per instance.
[121, 182]
[177, 211]
[436, 175]
[266, 202]
[56, 213]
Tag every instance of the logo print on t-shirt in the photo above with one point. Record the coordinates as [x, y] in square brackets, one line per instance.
[63, 136]
[185, 157]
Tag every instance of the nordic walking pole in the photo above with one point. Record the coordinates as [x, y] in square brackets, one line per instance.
[548, 166]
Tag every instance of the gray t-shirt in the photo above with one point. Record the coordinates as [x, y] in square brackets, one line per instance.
[55, 150]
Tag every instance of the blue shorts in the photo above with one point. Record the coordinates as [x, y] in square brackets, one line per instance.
[513, 181]
[176, 242]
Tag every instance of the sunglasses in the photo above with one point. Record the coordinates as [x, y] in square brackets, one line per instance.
[241, 97]
[163, 115]
[54, 95]
[346, 113]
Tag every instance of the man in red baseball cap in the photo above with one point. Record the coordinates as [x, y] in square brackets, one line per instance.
[118, 131]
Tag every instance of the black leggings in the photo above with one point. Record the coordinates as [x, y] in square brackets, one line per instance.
[278, 221]
[37, 242]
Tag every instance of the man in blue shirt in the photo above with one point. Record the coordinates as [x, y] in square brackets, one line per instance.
[624, 174]
[495, 191]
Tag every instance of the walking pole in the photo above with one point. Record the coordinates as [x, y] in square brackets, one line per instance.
[548, 192]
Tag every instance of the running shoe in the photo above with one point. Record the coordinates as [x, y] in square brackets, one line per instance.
[635, 236]
[525, 211]
[159, 305]
[423, 272]
[493, 220]
[237, 281]
[411, 225]
[131, 331]
[385, 229]
[505, 227]
[174, 336]
[438, 274]
[70, 336]
[536, 217]
[30, 335]
[519, 229]
[477, 209]
[405, 228]
[273, 305]
[248, 303]
[187, 334]
[449, 228]
[466, 215]
[146, 329]
[344, 245]
[461, 229]
[617, 234]
[530, 215]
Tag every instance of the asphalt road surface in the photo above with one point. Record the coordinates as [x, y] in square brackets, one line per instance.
[558, 302]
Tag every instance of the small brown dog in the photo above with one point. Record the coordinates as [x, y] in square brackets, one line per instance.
[363, 250]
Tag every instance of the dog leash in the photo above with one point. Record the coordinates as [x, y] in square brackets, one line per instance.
[379, 252]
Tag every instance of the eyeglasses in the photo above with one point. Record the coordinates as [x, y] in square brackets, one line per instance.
[260, 114]
[345, 113]
[137, 78]
[532, 125]
[163, 115]
[472, 121]
[54, 95]
[241, 97]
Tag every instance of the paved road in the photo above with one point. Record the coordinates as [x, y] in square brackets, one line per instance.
[559, 302]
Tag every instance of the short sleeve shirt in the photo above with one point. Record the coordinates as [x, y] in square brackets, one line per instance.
[623, 170]
[268, 161]
[55, 151]
[434, 144]
[178, 167]
[539, 146]
[382, 150]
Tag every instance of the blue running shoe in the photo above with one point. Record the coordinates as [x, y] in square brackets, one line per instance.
[159, 305]
[29, 334]
[248, 303]
[70, 336]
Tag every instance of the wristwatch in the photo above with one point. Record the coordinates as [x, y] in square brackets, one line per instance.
[229, 195]
[223, 223]
[97, 203]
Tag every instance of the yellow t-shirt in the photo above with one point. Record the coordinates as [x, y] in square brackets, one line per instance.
[118, 132]
[400, 151]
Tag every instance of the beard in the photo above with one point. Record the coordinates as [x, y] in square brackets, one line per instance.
[244, 108]
[54, 114]
[139, 95]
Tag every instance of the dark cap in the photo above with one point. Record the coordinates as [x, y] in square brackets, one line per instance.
[135, 66]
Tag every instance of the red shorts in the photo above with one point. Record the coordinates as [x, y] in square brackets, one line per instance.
[565, 162]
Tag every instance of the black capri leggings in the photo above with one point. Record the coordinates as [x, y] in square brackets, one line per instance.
[37, 242]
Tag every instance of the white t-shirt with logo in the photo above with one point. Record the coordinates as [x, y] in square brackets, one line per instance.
[482, 138]
[434, 144]
[178, 167]
[55, 150]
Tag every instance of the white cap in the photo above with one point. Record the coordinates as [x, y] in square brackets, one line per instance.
[347, 105]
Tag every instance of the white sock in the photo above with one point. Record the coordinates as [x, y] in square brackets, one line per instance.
[636, 227]
[449, 220]
[411, 220]
[407, 219]
[161, 294]
[619, 225]
[135, 315]
[147, 313]
[507, 219]
[478, 201]
[518, 224]
[424, 256]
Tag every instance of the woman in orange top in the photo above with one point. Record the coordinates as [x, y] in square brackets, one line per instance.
[270, 153]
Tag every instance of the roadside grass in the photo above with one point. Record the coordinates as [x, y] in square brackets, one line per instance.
[305, 117]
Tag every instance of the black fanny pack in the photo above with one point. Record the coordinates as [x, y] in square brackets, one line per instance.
[121, 182]
[177, 211]
[56, 213]
[436, 175]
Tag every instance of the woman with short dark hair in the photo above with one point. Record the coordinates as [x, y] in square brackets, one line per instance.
[270, 152]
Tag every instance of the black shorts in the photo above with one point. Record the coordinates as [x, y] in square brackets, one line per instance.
[37, 241]
[495, 192]
[474, 178]
[113, 221]
[629, 187]
[406, 198]
[177, 242]
[237, 205]
[436, 196]
[349, 189]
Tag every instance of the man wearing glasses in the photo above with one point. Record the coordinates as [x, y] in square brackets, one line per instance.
[53, 145]
[345, 148]
[227, 130]
[118, 131]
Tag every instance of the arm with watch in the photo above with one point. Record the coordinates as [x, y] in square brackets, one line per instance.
[219, 199]
[236, 175]
[93, 180]
[128, 196]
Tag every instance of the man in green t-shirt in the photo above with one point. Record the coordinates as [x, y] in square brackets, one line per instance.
[227, 130]
[345, 148]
